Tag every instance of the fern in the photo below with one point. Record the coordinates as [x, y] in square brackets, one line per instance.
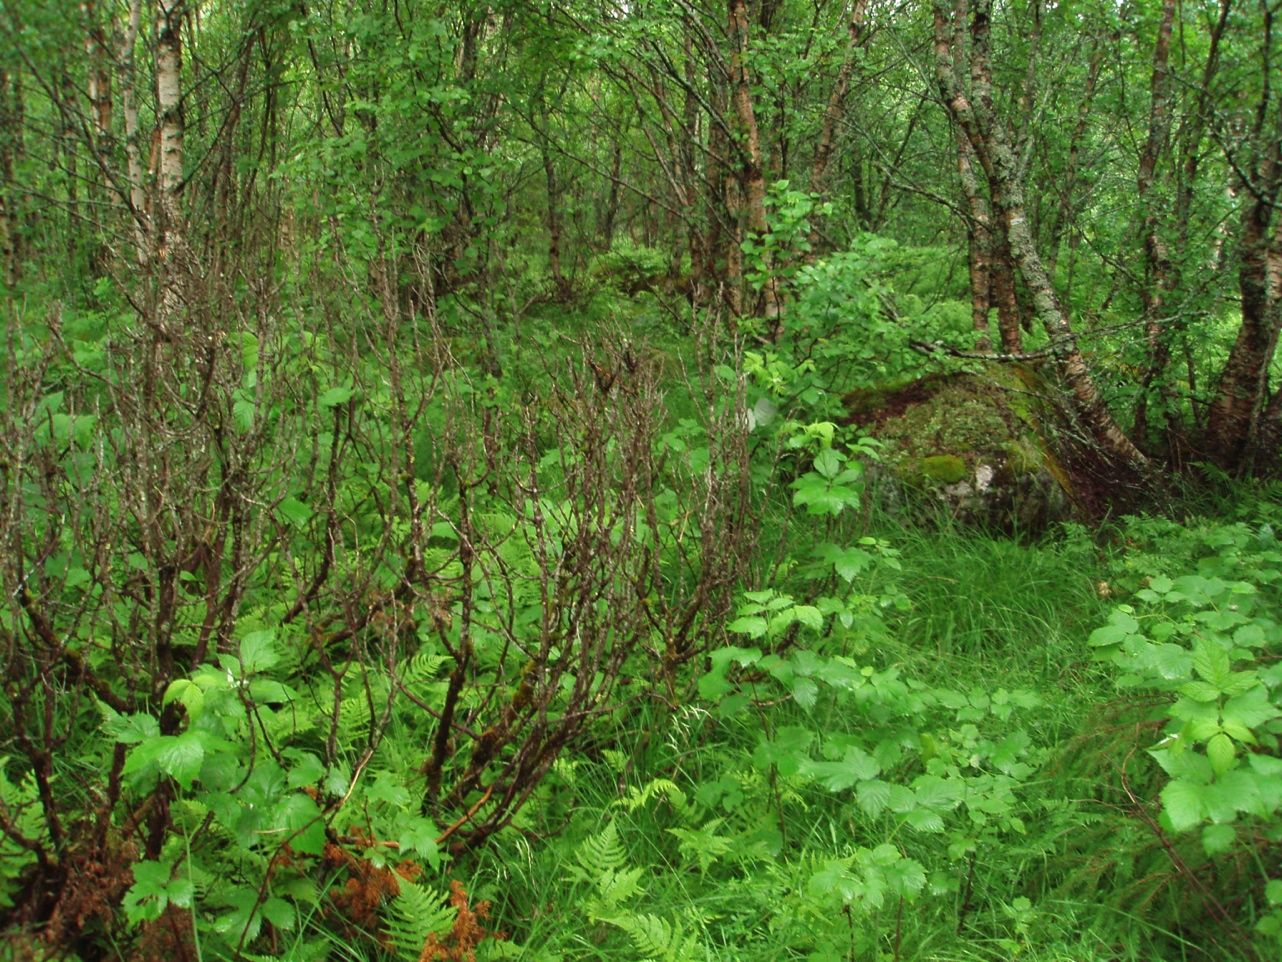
[602, 863]
[414, 914]
[602, 852]
[422, 668]
[703, 844]
[659, 940]
[19, 803]
[638, 797]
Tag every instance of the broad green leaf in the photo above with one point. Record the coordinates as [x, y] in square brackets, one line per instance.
[1211, 662]
[809, 616]
[418, 835]
[306, 768]
[130, 729]
[258, 651]
[873, 796]
[1252, 709]
[280, 913]
[828, 462]
[1184, 804]
[334, 397]
[303, 822]
[180, 757]
[1218, 839]
[1221, 751]
[295, 511]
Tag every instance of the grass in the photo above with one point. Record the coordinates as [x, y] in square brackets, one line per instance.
[984, 612]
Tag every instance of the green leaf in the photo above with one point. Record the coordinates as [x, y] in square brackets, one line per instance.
[924, 820]
[1218, 839]
[280, 913]
[418, 835]
[753, 626]
[1221, 751]
[1184, 804]
[1121, 625]
[132, 729]
[809, 616]
[242, 413]
[303, 820]
[855, 766]
[154, 888]
[307, 768]
[180, 757]
[334, 397]
[1200, 691]
[828, 462]
[1251, 709]
[244, 921]
[295, 511]
[1211, 662]
[834, 879]
[873, 796]
[714, 684]
[258, 651]
[906, 877]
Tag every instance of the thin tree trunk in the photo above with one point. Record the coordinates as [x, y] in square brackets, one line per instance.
[720, 246]
[751, 175]
[137, 199]
[834, 110]
[1010, 318]
[96, 56]
[559, 282]
[979, 241]
[611, 213]
[8, 214]
[691, 137]
[169, 235]
[1064, 212]
[1157, 273]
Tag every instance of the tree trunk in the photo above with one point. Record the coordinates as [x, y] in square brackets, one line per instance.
[833, 112]
[1232, 430]
[979, 241]
[977, 118]
[1157, 260]
[751, 176]
[1001, 266]
[167, 225]
[8, 213]
[137, 197]
[1234, 417]
[559, 282]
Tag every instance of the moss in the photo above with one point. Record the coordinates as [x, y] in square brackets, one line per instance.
[1023, 457]
[943, 468]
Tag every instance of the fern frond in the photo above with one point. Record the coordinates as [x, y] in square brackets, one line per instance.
[704, 844]
[602, 863]
[638, 797]
[422, 669]
[415, 913]
[657, 939]
[602, 852]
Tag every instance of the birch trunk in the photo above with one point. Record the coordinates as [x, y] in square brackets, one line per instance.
[751, 175]
[169, 105]
[977, 119]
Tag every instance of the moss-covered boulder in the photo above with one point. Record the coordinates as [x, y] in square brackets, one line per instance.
[979, 445]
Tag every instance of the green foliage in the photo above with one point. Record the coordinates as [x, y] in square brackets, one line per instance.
[414, 914]
[1207, 642]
